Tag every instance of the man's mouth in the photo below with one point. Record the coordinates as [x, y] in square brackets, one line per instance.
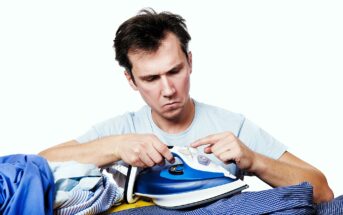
[171, 105]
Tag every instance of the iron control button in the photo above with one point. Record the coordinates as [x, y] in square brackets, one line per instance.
[176, 169]
[203, 160]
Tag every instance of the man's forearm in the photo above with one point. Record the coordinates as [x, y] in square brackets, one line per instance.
[289, 171]
[99, 152]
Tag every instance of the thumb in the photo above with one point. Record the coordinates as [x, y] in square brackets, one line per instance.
[208, 150]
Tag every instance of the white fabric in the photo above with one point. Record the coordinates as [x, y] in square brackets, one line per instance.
[83, 189]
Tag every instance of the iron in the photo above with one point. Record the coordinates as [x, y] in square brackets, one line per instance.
[192, 180]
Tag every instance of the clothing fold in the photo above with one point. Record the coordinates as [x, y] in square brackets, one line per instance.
[26, 185]
[83, 189]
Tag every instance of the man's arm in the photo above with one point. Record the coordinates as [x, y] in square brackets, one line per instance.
[287, 170]
[140, 150]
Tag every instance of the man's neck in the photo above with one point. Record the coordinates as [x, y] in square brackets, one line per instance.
[179, 124]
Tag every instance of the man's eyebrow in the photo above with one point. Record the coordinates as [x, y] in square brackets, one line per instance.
[176, 67]
[145, 77]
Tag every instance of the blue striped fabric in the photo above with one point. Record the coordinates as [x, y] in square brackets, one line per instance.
[293, 200]
[333, 207]
[76, 198]
[102, 198]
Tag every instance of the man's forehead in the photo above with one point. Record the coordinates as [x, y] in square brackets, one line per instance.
[150, 67]
[155, 63]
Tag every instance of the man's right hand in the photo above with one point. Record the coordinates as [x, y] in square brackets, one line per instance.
[142, 150]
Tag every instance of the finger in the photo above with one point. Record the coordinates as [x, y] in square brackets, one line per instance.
[154, 155]
[208, 150]
[221, 147]
[227, 157]
[136, 162]
[225, 150]
[146, 159]
[211, 139]
[139, 164]
[163, 150]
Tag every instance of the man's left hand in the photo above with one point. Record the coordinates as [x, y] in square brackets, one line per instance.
[228, 148]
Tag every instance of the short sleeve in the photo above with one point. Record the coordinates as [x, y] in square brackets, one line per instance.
[117, 125]
[90, 135]
[260, 141]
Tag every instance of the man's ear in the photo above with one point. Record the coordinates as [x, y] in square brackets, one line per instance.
[129, 79]
[190, 59]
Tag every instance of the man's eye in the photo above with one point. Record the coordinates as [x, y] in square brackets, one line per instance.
[174, 72]
[150, 79]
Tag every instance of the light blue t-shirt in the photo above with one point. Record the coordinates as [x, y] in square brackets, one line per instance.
[207, 120]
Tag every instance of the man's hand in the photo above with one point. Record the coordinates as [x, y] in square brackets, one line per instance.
[228, 148]
[142, 150]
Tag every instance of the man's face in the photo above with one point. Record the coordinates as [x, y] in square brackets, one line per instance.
[163, 78]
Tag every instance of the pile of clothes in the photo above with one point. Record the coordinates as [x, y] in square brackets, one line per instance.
[31, 185]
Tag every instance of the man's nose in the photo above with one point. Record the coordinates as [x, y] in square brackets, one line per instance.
[167, 87]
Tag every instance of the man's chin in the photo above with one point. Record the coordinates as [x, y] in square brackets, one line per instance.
[173, 114]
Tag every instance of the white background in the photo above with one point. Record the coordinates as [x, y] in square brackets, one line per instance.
[279, 63]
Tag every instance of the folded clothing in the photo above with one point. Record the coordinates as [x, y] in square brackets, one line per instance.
[105, 195]
[83, 189]
[26, 185]
[72, 176]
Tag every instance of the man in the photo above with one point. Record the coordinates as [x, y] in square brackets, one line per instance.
[153, 49]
